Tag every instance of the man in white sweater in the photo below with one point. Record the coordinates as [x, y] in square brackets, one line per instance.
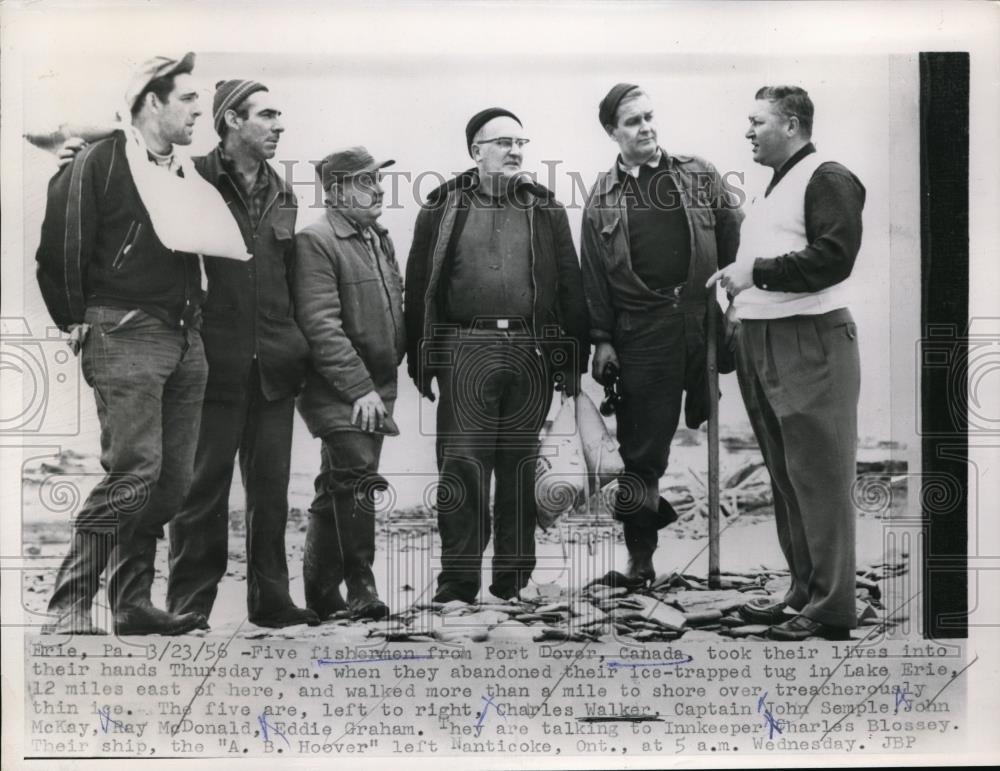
[797, 360]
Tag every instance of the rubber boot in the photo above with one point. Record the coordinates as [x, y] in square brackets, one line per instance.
[356, 522]
[77, 583]
[641, 543]
[268, 601]
[323, 565]
[130, 581]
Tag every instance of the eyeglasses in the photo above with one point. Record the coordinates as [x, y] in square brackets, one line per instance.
[504, 143]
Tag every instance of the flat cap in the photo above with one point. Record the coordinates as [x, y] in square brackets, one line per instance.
[151, 69]
[349, 162]
[609, 104]
[483, 117]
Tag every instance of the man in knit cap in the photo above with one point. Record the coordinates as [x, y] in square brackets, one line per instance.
[256, 364]
[495, 311]
[655, 227]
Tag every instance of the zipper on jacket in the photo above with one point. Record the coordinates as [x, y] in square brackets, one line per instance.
[130, 238]
[534, 282]
[385, 289]
[267, 209]
[256, 270]
[254, 227]
[692, 238]
[428, 292]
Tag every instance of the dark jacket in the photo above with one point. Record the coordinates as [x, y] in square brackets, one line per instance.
[351, 311]
[98, 246]
[249, 310]
[615, 294]
[619, 301]
[559, 318]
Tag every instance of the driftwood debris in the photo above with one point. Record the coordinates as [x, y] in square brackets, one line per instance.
[670, 608]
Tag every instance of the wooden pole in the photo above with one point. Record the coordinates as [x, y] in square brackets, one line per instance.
[711, 359]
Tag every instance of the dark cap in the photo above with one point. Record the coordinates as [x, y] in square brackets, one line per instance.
[151, 69]
[343, 164]
[609, 104]
[229, 95]
[483, 117]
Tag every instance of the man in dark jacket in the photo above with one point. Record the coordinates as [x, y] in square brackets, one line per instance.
[494, 311]
[349, 302]
[256, 361]
[110, 272]
[654, 228]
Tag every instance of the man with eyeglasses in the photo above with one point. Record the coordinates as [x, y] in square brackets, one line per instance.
[655, 227]
[349, 303]
[494, 311]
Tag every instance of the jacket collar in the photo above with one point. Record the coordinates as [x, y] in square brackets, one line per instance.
[344, 228]
[469, 180]
[610, 179]
[653, 163]
[214, 167]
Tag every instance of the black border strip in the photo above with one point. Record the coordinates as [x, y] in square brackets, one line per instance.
[944, 279]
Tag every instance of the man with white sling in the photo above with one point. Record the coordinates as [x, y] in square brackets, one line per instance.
[119, 267]
[797, 361]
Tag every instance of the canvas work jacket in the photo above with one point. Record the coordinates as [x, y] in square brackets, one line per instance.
[349, 304]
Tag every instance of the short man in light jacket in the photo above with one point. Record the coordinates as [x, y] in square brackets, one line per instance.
[348, 295]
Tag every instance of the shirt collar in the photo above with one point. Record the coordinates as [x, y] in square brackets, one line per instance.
[229, 166]
[633, 171]
[216, 164]
[168, 162]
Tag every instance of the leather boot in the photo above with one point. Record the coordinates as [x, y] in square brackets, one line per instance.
[641, 543]
[356, 522]
[77, 583]
[130, 581]
[323, 565]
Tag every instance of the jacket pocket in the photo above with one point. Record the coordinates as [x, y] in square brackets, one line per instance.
[615, 251]
[282, 231]
[127, 322]
[131, 236]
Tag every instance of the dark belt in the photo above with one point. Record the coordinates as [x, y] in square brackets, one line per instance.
[513, 325]
[670, 291]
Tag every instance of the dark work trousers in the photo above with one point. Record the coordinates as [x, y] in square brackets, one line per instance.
[800, 380]
[340, 540]
[348, 464]
[149, 381]
[660, 356]
[495, 395]
[261, 432]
